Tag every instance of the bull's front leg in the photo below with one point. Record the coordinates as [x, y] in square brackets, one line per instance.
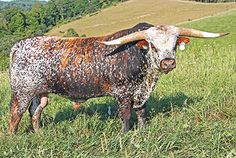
[141, 95]
[125, 112]
[140, 108]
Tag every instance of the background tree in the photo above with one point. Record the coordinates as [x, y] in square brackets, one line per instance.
[71, 33]
[34, 21]
[17, 24]
[50, 14]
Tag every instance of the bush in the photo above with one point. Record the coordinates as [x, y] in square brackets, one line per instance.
[71, 33]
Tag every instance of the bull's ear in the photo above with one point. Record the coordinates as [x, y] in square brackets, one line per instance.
[142, 44]
[182, 41]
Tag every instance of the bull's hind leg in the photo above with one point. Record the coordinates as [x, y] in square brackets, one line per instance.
[37, 105]
[17, 109]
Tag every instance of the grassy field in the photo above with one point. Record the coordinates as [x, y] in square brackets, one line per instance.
[130, 13]
[191, 113]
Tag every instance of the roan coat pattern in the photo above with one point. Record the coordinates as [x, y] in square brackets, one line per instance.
[125, 65]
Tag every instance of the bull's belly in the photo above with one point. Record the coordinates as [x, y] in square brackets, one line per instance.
[78, 91]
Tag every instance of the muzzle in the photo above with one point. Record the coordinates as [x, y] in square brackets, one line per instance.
[167, 65]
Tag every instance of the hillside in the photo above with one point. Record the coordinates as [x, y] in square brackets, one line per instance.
[132, 12]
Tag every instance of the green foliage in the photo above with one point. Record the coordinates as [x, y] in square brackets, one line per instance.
[83, 35]
[191, 112]
[6, 43]
[71, 33]
[20, 4]
[9, 13]
[17, 24]
[34, 21]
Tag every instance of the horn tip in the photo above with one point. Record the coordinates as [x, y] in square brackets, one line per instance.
[224, 34]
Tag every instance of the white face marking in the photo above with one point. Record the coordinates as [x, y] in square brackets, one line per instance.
[164, 39]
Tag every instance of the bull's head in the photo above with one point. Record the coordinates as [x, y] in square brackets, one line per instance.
[164, 39]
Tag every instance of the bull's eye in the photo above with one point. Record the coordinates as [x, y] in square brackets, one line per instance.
[176, 44]
[154, 49]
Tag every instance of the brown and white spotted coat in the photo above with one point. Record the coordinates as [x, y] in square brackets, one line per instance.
[82, 68]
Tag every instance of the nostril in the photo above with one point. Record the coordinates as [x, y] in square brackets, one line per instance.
[173, 64]
[166, 64]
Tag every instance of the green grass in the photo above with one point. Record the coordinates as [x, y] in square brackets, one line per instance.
[191, 113]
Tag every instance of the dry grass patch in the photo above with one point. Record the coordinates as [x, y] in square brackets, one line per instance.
[132, 12]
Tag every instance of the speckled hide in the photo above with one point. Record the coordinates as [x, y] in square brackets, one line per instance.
[82, 68]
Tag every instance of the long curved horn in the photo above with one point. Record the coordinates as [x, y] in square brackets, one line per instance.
[128, 38]
[197, 33]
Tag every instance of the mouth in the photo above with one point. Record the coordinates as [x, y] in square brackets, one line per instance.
[166, 71]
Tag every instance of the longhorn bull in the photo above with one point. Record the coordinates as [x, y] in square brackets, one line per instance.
[125, 65]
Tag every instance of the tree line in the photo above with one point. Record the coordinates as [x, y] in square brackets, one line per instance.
[22, 4]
